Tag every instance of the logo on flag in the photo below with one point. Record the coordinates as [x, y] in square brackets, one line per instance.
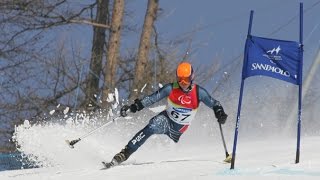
[273, 54]
[274, 58]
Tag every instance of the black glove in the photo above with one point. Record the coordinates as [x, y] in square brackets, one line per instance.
[220, 114]
[123, 111]
[136, 106]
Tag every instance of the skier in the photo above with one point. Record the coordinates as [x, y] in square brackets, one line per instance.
[184, 97]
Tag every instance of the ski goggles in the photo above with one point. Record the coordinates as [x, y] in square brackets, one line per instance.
[184, 80]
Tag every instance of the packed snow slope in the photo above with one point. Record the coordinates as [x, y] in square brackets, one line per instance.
[198, 155]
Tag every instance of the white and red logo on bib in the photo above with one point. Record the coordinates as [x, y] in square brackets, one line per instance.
[184, 99]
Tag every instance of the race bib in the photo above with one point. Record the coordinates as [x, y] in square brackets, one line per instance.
[181, 115]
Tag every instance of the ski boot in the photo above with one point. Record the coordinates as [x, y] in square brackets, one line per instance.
[120, 157]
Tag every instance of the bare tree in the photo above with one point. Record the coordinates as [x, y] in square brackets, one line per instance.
[35, 75]
[113, 48]
[98, 44]
[144, 47]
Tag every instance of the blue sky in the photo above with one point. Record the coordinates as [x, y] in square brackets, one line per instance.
[223, 24]
[219, 27]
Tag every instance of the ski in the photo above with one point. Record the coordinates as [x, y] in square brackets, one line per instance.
[108, 165]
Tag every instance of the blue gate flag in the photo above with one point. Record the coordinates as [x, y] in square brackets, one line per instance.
[274, 58]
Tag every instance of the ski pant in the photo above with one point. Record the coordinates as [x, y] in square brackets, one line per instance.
[159, 124]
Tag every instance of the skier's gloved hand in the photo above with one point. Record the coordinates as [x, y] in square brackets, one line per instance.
[222, 117]
[136, 106]
[220, 114]
[123, 110]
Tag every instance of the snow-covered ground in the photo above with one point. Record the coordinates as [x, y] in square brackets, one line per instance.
[198, 155]
[263, 160]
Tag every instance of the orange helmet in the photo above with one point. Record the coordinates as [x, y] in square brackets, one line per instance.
[185, 73]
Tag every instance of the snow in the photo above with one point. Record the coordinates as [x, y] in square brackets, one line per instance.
[142, 89]
[66, 110]
[198, 155]
[52, 112]
[255, 160]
